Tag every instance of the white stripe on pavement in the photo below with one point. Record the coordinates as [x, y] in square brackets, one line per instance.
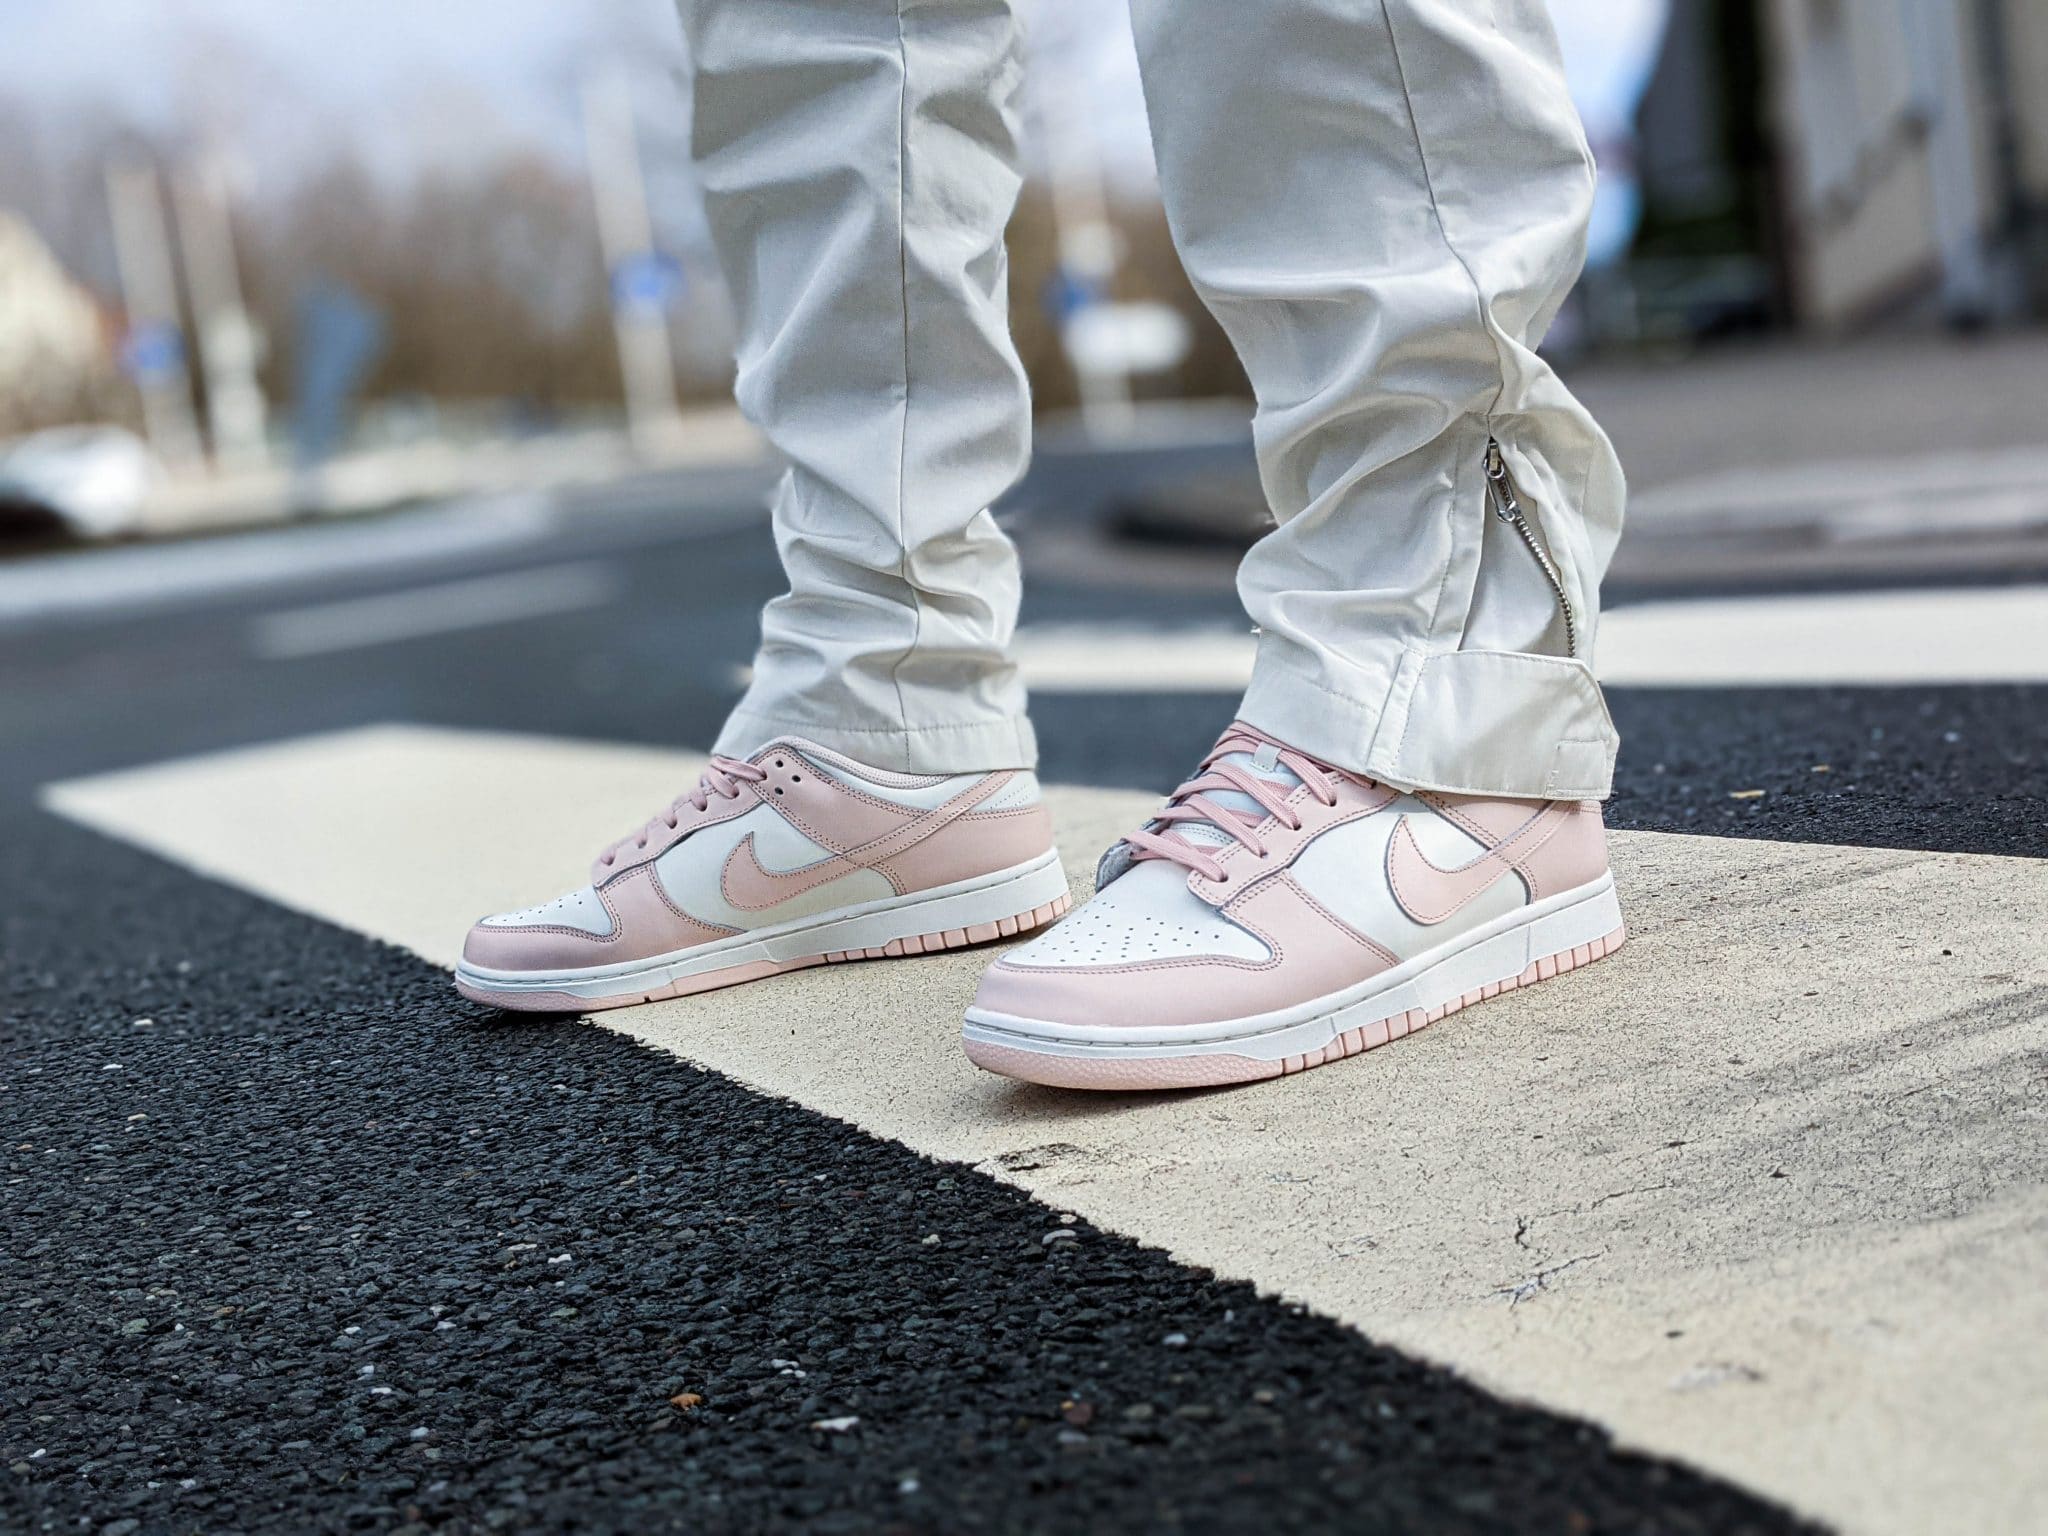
[148, 577]
[1957, 635]
[1748, 1193]
[1978, 490]
[1110, 658]
[1949, 635]
[476, 603]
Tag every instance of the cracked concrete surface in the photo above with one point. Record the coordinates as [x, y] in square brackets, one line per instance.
[1767, 1190]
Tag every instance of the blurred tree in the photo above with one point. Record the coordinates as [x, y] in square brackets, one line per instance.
[487, 277]
[489, 282]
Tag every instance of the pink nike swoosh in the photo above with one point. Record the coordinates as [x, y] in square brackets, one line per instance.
[751, 888]
[1430, 895]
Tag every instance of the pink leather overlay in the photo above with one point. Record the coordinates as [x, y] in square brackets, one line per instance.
[977, 844]
[863, 831]
[1429, 894]
[751, 888]
[1489, 820]
[834, 815]
[1313, 956]
[866, 832]
[1572, 856]
[1215, 1069]
[643, 925]
[1574, 852]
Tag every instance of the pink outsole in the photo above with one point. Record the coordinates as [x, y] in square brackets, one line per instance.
[1222, 1069]
[756, 970]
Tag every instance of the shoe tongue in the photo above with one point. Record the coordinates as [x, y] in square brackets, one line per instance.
[1264, 764]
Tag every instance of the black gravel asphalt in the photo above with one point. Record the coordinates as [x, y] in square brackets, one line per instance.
[295, 1240]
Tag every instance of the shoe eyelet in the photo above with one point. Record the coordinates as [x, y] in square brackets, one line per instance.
[778, 790]
[796, 778]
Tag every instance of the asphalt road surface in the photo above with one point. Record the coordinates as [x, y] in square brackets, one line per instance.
[292, 1238]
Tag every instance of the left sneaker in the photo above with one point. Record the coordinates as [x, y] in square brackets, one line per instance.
[796, 856]
[1280, 913]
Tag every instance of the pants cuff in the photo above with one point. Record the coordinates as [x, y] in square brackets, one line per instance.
[1463, 722]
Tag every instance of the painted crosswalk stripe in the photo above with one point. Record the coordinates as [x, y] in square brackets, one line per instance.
[143, 578]
[1745, 1194]
[475, 603]
[1953, 636]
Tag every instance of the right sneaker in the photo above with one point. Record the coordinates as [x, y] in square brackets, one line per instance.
[1279, 913]
[797, 856]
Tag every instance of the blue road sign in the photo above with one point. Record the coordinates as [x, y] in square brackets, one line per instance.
[647, 282]
[1067, 293]
[153, 351]
[339, 339]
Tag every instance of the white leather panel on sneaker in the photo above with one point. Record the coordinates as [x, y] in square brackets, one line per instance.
[1148, 914]
[1022, 790]
[693, 873]
[921, 796]
[578, 909]
[1346, 871]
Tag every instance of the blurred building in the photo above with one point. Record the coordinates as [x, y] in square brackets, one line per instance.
[53, 349]
[1913, 136]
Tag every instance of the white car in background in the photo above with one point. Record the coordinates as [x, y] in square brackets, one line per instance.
[94, 481]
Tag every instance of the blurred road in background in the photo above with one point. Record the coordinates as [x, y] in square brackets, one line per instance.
[625, 610]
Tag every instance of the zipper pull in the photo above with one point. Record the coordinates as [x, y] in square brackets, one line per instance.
[1501, 485]
[1507, 506]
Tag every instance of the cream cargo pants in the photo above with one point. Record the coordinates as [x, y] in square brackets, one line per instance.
[1382, 201]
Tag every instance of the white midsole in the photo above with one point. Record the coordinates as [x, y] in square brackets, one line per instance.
[971, 903]
[1493, 952]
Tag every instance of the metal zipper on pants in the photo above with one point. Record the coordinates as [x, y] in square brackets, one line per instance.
[1507, 506]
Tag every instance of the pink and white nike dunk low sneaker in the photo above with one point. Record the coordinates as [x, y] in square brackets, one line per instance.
[1281, 913]
[795, 857]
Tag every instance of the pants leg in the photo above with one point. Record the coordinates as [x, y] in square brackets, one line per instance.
[858, 163]
[1384, 202]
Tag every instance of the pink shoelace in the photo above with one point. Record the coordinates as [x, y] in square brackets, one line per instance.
[1191, 803]
[723, 779]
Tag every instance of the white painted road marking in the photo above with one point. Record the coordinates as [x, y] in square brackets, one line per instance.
[1747, 1193]
[1960, 635]
[1924, 495]
[480, 601]
[146, 578]
[1954, 635]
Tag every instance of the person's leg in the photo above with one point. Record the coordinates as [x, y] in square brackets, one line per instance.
[858, 165]
[1383, 202]
[871, 795]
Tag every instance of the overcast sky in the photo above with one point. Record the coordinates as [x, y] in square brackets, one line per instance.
[406, 83]
[412, 84]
